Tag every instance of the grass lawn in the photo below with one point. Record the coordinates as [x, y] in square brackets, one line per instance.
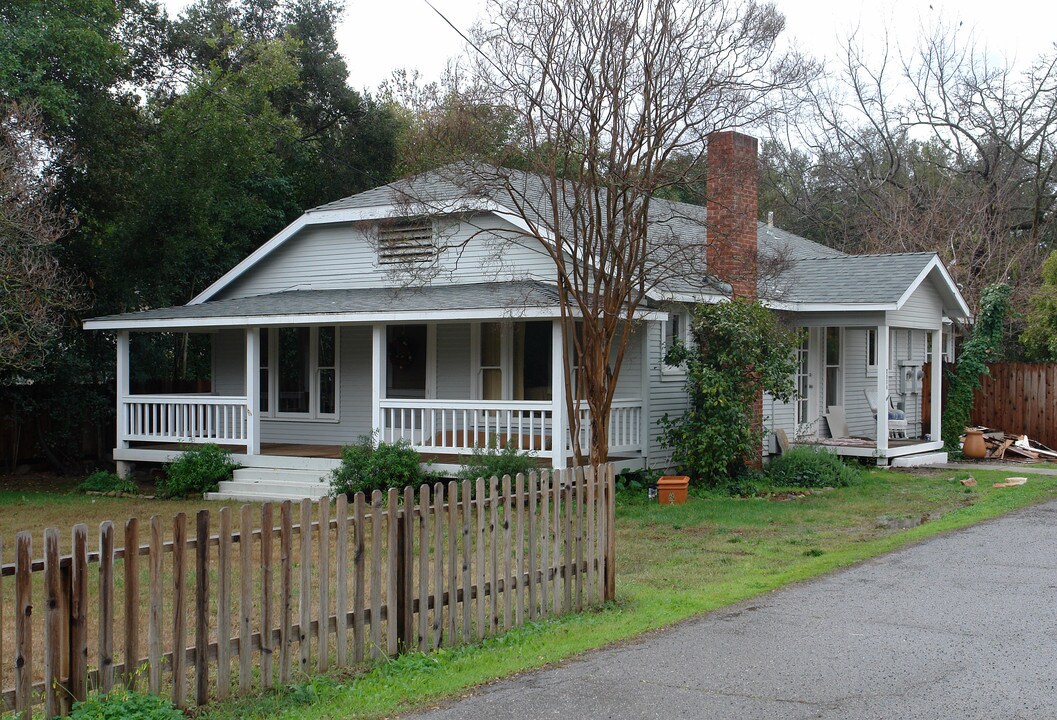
[673, 563]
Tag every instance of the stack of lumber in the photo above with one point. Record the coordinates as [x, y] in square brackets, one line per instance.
[1017, 448]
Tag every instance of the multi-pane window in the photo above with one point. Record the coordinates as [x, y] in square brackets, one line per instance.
[326, 371]
[265, 377]
[802, 376]
[491, 361]
[834, 379]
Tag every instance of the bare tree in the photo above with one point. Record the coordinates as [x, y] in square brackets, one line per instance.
[36, 294]
[611, 98]
[940, 149]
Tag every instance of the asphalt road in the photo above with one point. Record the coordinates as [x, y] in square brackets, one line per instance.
[961, 626]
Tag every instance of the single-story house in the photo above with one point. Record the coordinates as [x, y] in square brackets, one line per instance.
[358, 318]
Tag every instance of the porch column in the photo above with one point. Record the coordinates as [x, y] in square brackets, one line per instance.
[644, 391]
[253, 391]
[559, 426]
[377, 377]
[936, 386]
[122, 381]
[882, 394]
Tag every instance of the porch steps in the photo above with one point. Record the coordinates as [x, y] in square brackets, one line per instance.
[260, 484]
[919, 459]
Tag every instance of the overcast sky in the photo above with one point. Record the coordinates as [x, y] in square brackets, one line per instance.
[379, 36]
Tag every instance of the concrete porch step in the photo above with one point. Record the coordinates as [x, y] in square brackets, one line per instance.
[261, 484]
[919, 459]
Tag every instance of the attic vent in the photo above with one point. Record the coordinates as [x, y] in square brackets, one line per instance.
[406, 243]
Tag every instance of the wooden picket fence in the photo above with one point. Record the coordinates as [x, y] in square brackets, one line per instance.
[375, 576]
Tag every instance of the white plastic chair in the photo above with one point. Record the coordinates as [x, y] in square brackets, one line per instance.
[896, 428]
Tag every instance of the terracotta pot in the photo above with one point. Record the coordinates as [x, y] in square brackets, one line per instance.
[974, 446]
[671, 489]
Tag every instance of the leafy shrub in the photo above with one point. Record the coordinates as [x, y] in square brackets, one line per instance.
[370, 465]
[121, 703]
[810, 468]
[107, 482]
[198, 470]
[742, 349]
[493, 461]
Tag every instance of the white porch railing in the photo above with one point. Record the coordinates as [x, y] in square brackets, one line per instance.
[625, 427]
[457, 426]
[184, 419]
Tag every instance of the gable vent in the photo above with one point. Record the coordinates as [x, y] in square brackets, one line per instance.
[406, 243]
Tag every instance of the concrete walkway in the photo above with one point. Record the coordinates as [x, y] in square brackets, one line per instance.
[961, 626]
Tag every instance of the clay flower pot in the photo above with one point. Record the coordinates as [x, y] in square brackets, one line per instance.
[973, 446]
[671, 489]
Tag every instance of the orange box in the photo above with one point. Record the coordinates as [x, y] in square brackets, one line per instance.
[671, 489]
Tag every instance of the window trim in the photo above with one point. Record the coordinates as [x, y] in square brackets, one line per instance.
[313, 415]
[669, 372]
[871, 369]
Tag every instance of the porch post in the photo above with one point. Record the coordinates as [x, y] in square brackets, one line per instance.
[377, 377]
[936, 386]
[121, 378]
[253, 391]
[882, 394]
[559, 426]
[644, 392]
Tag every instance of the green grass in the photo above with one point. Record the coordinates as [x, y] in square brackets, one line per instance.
[673, 563]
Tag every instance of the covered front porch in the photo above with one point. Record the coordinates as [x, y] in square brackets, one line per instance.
[288, 391]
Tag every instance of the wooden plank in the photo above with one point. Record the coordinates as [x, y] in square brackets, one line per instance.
[323, 634]
[24, 625]
[493, 545]
[224, 605]
[579, 530]
[179, 657]
[304, 596]
[589, 538]
[132, 614]
[376, 573]
[545, 543]
[341, 580]
[508, 595]
[53, 621]
[407, 571]
[106, 606]
[453, 561]
[423, 567]
[570, 542]
[611, 535]
[519, 548]
[154, 628]
[202, 608]
[533, 490]
[245, 599]
[600, 530]
[556, 563]
[78, 610]
[358, 578]
[438, 565]
[393, 572]
[286, 533]
[479, 569]
[467, 549]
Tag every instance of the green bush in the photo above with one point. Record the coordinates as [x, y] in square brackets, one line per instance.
[810, 468]
[370, 465]
[121, 704]
[493, 461]
[107, 482]
[198, 470]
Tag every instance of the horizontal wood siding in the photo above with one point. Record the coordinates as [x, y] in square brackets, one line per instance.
[344, 256]
[629, 384]
[779, 415]
[923, 309]
[453, 361]
[229, 362]
[861, 422]
[667, 396]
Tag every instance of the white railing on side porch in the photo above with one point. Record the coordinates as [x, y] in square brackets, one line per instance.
[625, 427]
[184, 419]
[458, 426]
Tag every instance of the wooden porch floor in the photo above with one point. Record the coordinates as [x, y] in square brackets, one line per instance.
[860, 442]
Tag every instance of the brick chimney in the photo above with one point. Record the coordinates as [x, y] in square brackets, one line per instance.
[731, 210]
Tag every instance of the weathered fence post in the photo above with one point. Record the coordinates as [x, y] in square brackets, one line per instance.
[611, 535]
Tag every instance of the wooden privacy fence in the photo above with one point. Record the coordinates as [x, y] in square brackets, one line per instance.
[219, 609]
[1019, 398]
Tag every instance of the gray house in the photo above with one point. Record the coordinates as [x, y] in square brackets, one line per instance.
[431, 321]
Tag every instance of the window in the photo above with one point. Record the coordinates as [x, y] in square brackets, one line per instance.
[834, 378]
[299, 373]
[802, 379]
[871, 352]
[676, 327]
[532, 360]
[407, 243]
[405, 375]
[491, 361]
